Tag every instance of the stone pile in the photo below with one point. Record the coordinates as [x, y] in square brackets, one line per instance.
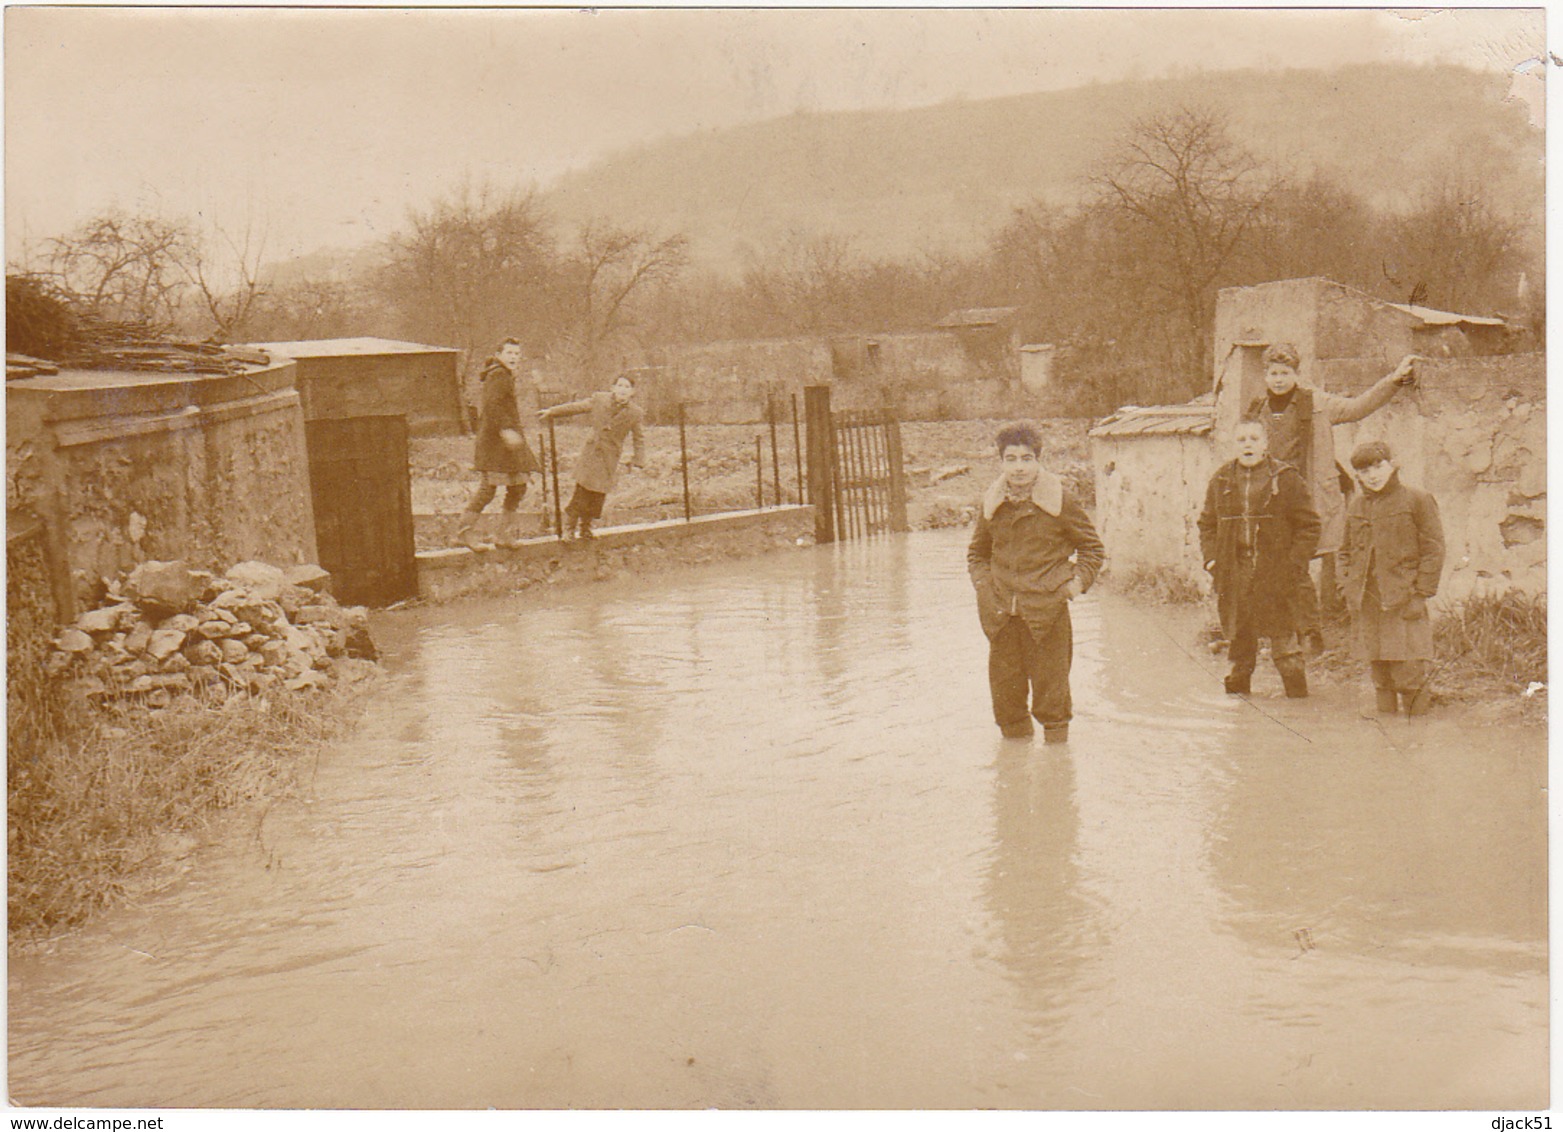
[166, 630]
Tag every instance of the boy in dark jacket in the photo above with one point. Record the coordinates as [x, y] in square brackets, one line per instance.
[612, 417]
[1258, 528]
[501, 456]
[1033, 552]
[1392, 559]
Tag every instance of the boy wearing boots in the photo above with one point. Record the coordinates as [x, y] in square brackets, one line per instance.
[502, 457]
[1033, 552]
[613, 417]
[1258, 528]
[1392, 559]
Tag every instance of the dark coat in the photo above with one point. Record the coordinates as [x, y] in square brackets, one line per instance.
[1286, 529]
[1322, 412]
[497, 413]
[597, 466]
[1396, 535]
[1022, 555]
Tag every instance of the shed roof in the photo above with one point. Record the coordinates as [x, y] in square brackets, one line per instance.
[1445, 318]
[1158, 420]
[347, 348]
[976, 317]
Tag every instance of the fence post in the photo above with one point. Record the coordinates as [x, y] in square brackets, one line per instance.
[553, 460]
[821, 446]
[683, 460]
[797, 449]
[770, 413]
[898, 521]
[759, 475]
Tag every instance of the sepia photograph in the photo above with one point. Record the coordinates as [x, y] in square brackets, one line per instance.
[928, 560]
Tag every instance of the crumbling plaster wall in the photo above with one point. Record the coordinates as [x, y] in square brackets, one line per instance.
[1474, 434]
[1149, 491]
[211, 470]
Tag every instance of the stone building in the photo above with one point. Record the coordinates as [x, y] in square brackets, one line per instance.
[117, 467]
[1473, 430]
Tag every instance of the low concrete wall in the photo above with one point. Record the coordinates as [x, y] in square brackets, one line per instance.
[123, 467]
[444, 575]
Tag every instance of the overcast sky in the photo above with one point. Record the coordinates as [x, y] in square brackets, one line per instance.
[323, 126]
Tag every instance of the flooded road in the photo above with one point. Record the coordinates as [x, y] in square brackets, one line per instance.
[746, 835]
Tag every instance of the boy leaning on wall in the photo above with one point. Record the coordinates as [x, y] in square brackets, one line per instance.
[1033, 552]
[1391, 561]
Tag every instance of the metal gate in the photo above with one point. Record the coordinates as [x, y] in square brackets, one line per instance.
[362, 492]
[856, 480]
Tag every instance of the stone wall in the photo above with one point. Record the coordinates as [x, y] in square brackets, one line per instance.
[444, 575]
[124, 467]
[1474, 433]
[423, 387]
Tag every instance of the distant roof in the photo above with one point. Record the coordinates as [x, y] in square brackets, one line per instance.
[347, 348]
[977, 316]
[1445, 318]
[1158, 420]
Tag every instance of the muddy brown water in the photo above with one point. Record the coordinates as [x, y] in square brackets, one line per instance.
[745, 836]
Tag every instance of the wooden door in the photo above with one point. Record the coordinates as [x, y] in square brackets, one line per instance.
[362, 492]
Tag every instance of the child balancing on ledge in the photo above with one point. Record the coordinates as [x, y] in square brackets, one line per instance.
[1033, 552]
[612, 417]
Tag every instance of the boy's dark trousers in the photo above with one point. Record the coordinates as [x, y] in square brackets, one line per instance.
[1243, 651]
[1031, 658]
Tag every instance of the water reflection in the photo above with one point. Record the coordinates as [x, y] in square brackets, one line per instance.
[1045, 924]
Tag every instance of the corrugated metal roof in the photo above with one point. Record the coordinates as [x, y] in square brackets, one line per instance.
[1158, 420]
[347, 348]
[1445, 318]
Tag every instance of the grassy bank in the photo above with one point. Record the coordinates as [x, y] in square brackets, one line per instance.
[106, 804]
[722, 469]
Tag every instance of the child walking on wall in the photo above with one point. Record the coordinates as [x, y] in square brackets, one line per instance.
[1392, 559]
[1034, 551]
[502, 457]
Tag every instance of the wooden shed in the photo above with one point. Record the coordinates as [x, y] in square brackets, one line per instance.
[343, 378]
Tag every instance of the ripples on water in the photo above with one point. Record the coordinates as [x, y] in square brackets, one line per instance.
[746, 836]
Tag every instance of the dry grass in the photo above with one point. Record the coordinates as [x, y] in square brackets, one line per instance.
[1494, 640]
[109, 798]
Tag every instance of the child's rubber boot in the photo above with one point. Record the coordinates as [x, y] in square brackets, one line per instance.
[1055, 733]
[585, 529]
[1294, 677]
[1237, 683]
[510, 530]
[1388, 700]
[1021, 730]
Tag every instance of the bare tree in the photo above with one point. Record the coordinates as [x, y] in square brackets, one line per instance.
[124, 268]
[1192, 195]
[227, 281]
[471, 269]
[607, 266]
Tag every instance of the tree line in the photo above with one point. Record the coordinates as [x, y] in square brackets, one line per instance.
[1123, 281]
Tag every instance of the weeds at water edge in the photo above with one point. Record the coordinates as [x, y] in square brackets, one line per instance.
[109, 798]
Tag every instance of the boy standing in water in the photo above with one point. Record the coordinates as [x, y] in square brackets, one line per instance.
[1033, 552]
[1392, 559]
[1258, 528]
[613, 417]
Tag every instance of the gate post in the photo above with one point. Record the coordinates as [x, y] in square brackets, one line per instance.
[821, 446]
[898, 521]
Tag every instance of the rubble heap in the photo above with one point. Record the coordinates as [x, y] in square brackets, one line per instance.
[166, 630]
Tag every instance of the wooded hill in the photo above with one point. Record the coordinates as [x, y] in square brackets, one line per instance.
[942, 178]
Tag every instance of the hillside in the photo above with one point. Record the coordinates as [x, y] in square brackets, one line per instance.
[941, 177]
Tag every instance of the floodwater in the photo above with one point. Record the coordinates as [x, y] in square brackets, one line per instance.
[745, 835]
